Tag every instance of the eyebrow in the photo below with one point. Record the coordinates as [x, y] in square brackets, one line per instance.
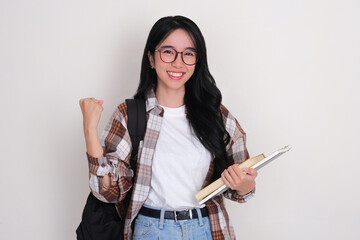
[169, 46]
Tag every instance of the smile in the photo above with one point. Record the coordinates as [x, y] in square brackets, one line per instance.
[175, 74]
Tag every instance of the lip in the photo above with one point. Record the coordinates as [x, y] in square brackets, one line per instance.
[175, 77]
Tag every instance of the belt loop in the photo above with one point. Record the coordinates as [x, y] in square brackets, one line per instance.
[175, 216]
[162, 214]
[199, 216]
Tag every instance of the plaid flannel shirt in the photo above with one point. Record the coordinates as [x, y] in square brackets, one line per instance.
[115, 162]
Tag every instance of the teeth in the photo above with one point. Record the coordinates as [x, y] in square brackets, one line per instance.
[175, 74]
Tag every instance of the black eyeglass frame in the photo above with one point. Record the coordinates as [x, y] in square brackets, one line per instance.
[177, 53]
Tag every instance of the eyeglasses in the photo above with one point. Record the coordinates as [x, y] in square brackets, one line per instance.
[169, 55]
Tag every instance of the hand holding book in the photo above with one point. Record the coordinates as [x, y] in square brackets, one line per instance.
[239, 179]
[256, 163]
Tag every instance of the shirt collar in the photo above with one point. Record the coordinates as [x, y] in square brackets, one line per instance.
[151, 101]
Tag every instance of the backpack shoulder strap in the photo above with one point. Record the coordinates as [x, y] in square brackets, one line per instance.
[136, 124]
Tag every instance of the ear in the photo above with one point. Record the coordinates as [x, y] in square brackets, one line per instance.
[151, 60]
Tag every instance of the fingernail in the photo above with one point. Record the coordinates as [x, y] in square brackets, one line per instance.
[101, 102]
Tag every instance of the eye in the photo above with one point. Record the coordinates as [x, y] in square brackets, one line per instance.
[190, 53]
[168, 51]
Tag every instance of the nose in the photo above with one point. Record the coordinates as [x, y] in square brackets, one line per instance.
[178, 61]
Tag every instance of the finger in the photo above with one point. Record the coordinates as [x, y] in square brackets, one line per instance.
[225, 179]
[90, 99]
[97, 101]
[239, 170]
[228, 177]
[234, 171]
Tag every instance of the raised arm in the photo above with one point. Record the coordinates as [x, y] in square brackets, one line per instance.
[91, 110]
[108, 156]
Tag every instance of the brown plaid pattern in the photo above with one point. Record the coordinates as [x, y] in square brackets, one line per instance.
[116, 163]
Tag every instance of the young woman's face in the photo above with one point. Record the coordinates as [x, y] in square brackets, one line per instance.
[173, 76]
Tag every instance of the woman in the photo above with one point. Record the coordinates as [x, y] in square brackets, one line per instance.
[190, 140]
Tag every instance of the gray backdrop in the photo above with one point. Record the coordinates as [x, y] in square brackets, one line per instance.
[288, 70]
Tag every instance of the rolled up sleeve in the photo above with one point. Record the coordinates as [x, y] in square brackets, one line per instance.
[115, 162]
[236, 152]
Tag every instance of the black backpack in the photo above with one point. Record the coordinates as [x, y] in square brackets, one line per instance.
[100, 220]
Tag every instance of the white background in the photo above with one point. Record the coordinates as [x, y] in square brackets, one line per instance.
[288, 70]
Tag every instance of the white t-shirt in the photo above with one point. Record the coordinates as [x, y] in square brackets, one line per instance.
[180, 163]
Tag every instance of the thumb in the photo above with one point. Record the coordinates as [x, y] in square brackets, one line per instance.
[251, 172]
[101, 102]
[248, 171]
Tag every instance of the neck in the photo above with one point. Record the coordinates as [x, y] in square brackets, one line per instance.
[170, 98]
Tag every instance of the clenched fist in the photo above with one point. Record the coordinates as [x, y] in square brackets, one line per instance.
[91, 110]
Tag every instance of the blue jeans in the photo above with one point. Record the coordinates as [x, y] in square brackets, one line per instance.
[147, 228]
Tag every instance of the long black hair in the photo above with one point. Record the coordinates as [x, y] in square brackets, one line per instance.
[202, 97]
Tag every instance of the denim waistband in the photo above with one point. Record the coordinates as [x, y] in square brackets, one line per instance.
[175, 215]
